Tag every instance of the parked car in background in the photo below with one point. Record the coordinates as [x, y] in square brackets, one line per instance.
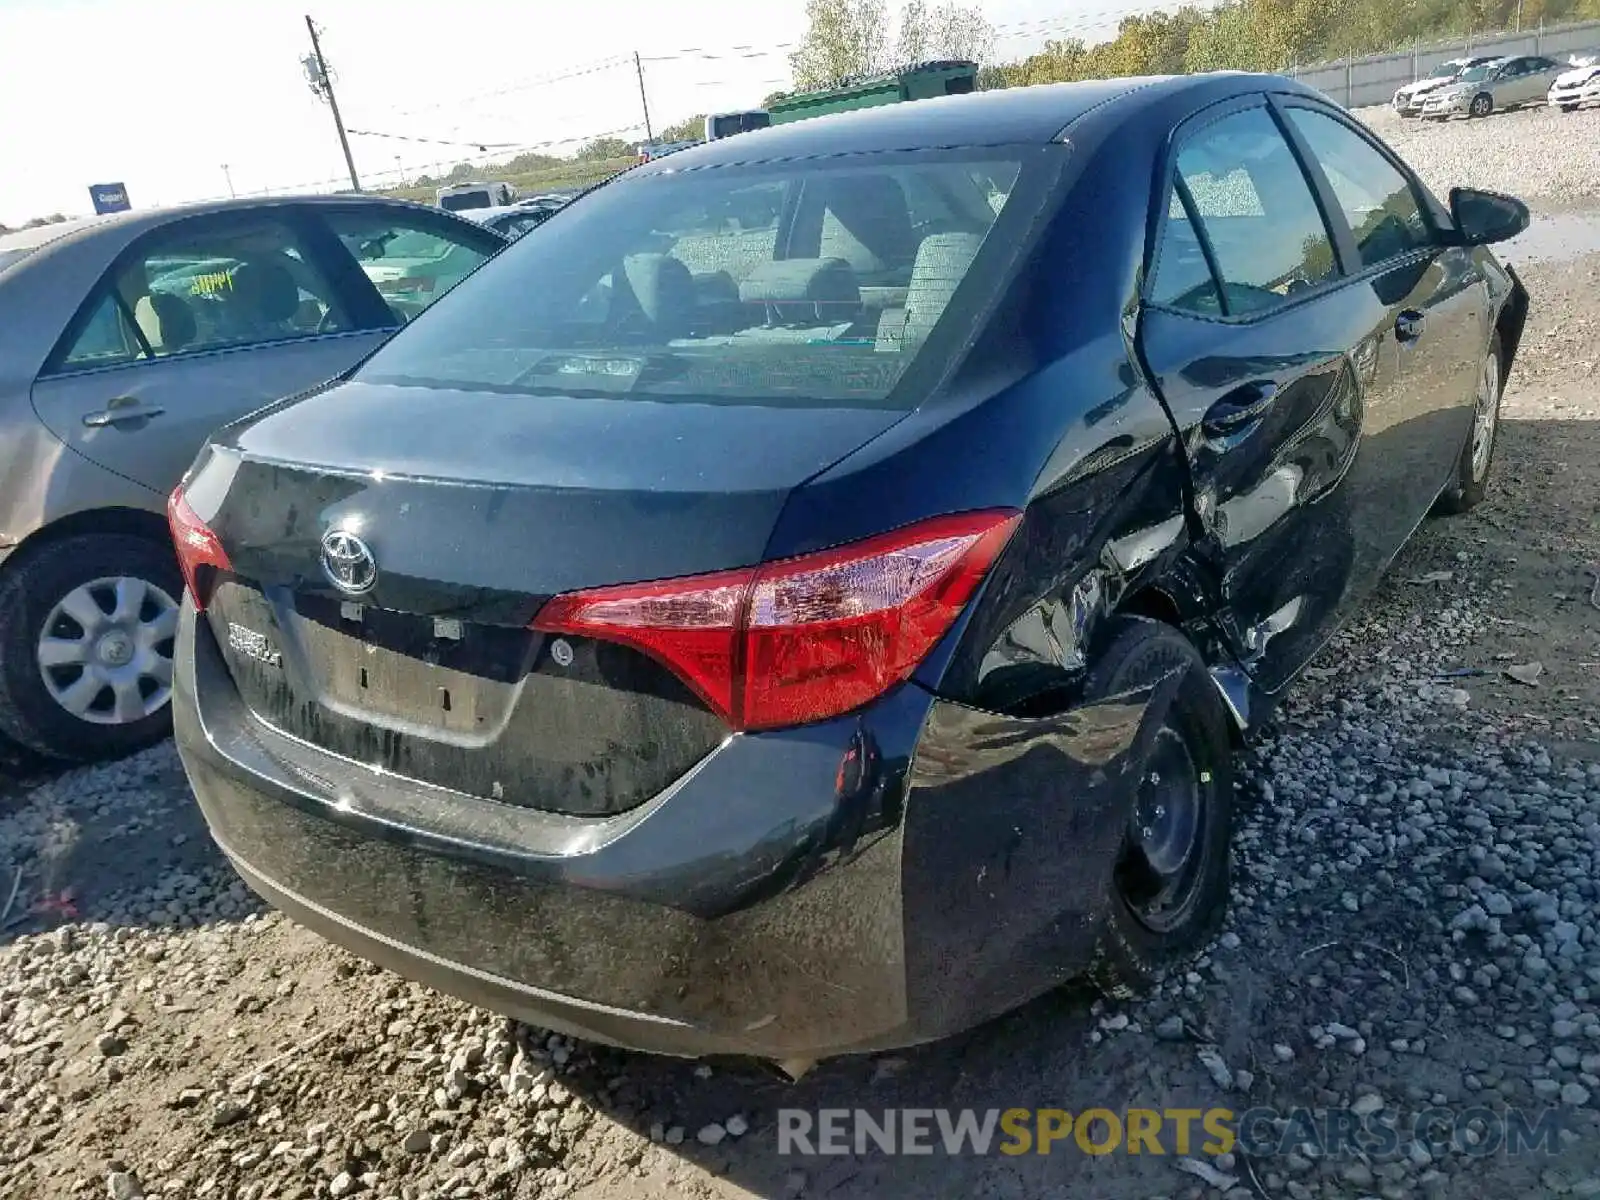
[512, 221]
[1577, 86]
[811, 604]
[1408, 99]
[124, 340]
[458, 197]
[650, 151]
[1500, 83]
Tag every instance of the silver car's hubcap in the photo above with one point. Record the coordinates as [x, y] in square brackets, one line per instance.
[1485, 417]
[105, 651]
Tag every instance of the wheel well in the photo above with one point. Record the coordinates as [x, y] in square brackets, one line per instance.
[129, 521]
[1153, 603]
[1156, 605]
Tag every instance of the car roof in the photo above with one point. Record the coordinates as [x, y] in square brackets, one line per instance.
[1010, 116]
[35, 236]
[140, 219]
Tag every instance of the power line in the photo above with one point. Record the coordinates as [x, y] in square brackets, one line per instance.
[595, 68]
[450, 163]
[485, 147]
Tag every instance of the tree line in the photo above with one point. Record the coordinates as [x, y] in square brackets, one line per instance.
[852, 38]
[844, 37]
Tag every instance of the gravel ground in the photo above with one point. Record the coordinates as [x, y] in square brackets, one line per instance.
[1415, 926]
[1540, 154]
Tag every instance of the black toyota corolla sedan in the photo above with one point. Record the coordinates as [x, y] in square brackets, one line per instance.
[807, 602]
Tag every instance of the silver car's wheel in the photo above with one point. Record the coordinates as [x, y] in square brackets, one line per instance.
[105, 650]
[88, 626]
[1485, 418]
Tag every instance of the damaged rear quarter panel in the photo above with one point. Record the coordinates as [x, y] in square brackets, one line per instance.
[1011, 831]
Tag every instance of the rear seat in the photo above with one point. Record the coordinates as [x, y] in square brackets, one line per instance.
[941, 264]
[814, 291]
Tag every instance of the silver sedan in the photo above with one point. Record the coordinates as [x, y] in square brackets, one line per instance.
[124, 341]
[1500, 83]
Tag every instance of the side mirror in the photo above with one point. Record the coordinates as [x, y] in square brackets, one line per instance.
[1484, 218]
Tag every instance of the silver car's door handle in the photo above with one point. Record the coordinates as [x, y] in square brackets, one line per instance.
[120, 409]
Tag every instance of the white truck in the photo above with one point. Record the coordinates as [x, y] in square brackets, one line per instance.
[454, 197]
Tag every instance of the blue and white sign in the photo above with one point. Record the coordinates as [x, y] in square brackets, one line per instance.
[109, 197]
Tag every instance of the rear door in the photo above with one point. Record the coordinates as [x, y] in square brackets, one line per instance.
[1519, 82]
[199, 322]
[1544, 72]
[1268, 362]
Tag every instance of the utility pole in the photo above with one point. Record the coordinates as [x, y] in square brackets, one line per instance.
[321, 80]
[226, 175]
[638, 67]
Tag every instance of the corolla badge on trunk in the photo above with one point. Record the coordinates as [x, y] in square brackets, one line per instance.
[348, 563]
[252, 645]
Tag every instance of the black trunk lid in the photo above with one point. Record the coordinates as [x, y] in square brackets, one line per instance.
[476, 508]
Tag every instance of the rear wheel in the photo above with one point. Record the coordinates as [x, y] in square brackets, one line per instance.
[86, 637]
[1568, 107]
[1477, 456]
[1170, 882]
[1482, 105]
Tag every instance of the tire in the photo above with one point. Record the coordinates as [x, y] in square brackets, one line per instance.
[1566, 108]
[1482, 105]
[1471, 481]
[125, 653]
[1135, 950]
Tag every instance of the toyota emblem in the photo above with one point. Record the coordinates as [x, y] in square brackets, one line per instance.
[348, 563]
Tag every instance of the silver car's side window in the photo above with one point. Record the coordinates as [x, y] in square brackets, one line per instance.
[411, 263]
[107, 338]
[207, 285]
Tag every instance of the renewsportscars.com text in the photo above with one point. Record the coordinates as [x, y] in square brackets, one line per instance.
[1258, 1132]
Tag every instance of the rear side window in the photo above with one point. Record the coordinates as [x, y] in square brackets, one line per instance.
[107, 338]
[207, 284]
[1377, 200]
[411, 260]
[1241, 184]
[817, 281]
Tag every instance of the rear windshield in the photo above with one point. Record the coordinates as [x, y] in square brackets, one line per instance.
[818, 281]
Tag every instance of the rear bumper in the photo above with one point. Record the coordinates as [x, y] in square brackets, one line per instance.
[875, 881]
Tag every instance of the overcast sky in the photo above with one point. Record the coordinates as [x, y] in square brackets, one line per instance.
[158, 94]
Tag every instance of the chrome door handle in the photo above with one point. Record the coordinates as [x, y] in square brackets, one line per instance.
[120, 409]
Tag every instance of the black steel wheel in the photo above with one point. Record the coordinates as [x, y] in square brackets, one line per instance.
[1169, 886]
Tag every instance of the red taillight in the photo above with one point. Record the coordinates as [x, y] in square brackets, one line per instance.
[197, 546]
[806, 638]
